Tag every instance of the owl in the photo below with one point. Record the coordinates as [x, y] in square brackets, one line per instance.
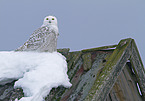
[44, 38]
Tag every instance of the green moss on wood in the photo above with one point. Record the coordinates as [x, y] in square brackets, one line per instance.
[87, 61]
[73, 58]
[108, 68]
[138, 68]
[55, 94]
[133, 42]
[99, 48]
[63, 51]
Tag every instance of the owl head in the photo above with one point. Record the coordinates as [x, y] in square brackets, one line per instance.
[50, 20]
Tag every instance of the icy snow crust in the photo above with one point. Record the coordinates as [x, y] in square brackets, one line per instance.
[37, 73]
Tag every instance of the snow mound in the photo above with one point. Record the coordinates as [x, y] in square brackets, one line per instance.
[37, 73]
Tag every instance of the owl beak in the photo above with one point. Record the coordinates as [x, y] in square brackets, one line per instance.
[49, 21]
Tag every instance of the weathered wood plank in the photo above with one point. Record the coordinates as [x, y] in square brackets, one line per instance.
[113, 95]
[56, 93]
[132, 84]
[99, 48]
[87, 61]
[75, 80]
[109, 98]
[104, 82]
[118, 93]
[125, 88]
[138, 67]
[86, 80]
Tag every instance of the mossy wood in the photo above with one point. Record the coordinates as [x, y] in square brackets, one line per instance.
[108, 73]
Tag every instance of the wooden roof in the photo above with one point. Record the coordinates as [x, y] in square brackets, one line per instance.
[93, 72]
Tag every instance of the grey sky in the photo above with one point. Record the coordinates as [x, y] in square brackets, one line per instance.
[82, 23]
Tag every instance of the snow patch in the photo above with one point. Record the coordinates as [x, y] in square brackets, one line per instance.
[37, 73]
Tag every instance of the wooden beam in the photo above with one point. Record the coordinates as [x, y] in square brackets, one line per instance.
[105, 81]
[138, 68]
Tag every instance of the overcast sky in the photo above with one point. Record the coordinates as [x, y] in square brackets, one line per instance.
[82, 23]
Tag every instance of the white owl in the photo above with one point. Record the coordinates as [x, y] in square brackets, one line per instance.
[44, 38]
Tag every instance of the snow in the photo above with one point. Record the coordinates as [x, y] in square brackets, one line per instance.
[37, 73]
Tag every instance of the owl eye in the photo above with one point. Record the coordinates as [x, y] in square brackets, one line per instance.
[47, 19]
[52, 18]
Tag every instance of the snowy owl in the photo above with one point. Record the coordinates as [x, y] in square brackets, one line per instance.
[44, 38]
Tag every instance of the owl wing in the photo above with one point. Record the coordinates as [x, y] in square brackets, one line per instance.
[38, 39]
